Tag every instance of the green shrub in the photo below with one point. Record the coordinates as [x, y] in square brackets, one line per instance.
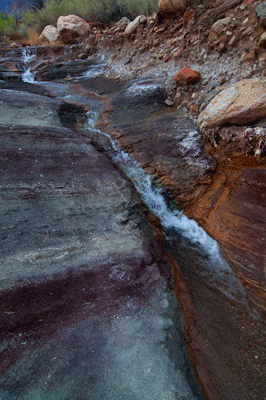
[7, 24]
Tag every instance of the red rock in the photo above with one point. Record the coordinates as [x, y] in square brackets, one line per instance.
[172, 6]
[194, 108]
[166, 59]
[187, 76]
[187, 17]
[232, 211]
[248, 2]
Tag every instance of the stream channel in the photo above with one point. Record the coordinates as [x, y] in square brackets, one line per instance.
[136, 350]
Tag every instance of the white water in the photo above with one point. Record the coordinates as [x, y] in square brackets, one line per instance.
[27, 56]
[219, 272]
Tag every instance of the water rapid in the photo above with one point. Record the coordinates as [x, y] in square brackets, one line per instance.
[28, 55]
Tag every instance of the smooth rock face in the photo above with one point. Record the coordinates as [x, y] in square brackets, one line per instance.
[166, 143]
[82, 270]
[239, 104]
[71, 26]
[50, 34]
[233, 212]
[32, 109]
[60, 194]
[61, 70]
[172, 6]
[186, 76]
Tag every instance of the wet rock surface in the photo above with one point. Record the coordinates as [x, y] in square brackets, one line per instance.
[83, 273]
[227, 202]
[165, 141]
[22, 108]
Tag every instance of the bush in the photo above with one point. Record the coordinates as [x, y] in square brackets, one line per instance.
[7, 24]
[106, 11]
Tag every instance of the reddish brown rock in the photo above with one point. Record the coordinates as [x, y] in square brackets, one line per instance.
[172, 6]
[187, 17]
[187, 76]
[166, 59]
[233, 212]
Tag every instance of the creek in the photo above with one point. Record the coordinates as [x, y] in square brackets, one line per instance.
[138, 350]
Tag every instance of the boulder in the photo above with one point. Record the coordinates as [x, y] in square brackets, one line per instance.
[132, 26]
[172, 6]
[261, 13]
[50, 34]
[238, 104]
[187, 76]
[71, 26]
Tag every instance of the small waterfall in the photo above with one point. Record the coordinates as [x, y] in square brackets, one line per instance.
[216, 268]
[27, 56]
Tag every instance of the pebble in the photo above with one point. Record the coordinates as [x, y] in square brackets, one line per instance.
[169, 102]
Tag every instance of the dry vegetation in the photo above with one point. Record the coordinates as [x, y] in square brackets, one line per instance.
[106, 11]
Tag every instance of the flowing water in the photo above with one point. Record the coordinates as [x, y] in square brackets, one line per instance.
[28, 55]
[137, 353]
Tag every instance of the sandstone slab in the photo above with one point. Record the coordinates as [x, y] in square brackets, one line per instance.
[239, 104]
[233, 212]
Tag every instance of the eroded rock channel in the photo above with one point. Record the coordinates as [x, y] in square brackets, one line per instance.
[91, 267]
